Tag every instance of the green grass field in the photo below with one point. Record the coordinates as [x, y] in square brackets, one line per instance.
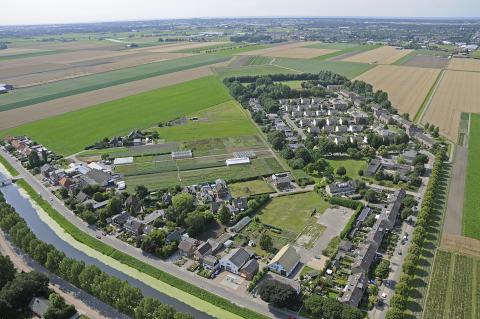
[414, 53]
[259, 60]
[454, 287]
[471, 205]
[333, 45]
[348, 69]
[71, 132]
[352, 166]
[297, 85]
[292, 212]
[252, 70]
[223, 120]
[249, 188]
[47, 92]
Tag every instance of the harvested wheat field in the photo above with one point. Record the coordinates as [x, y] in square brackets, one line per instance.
[463, 64]
[15, 51]
[457, 92]
[294, 50]
[407, 87]
[15, 117]
[383, 55]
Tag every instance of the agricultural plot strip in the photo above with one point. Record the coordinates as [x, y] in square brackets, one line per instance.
[457, 92]
[51, 91]
[464, 64]
[382, 55]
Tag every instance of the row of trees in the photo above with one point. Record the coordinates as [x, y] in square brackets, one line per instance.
[398, 303]
[329, 308]
[111, 290]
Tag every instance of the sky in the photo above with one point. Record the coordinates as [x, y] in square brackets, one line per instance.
[14, 12]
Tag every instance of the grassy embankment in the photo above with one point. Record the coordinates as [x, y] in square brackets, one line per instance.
[8, 166]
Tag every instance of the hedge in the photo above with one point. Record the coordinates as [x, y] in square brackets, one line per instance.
[135, 263]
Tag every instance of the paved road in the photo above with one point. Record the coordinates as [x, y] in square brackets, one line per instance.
[294, 126]
[84, 303]
[454, 214]
[242, 300]
[396, 261]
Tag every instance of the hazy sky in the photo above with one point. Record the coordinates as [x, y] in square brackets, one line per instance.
[64, 11]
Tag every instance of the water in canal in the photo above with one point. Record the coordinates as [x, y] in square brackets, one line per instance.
[46, 234]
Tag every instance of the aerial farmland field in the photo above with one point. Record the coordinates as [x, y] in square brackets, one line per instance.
[47, 92]
[471, 209]
[297, 50]
[458, 91]
[407, 87]
[453, 291]
[382, 55]
[118, 117]
[463, 64]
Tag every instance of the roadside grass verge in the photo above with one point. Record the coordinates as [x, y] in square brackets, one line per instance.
[8, 166]
[130, 261]
[71, 132]
[471, 206]
[46, 92]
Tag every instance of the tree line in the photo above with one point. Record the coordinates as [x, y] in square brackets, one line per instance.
[398, 303]
[111, 290]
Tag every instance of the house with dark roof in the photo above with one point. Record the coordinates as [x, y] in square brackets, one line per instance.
[341, 188]
[46, 169]
[240, 203]
[235, 259]
[282, 180]
[373, 167]
[365, 258]
[221, 189]
[120, 219]
[39, 306]
[210, 262]
[187, 247]
[203, 250]
[249, 269]
[81, 197]
[134, 226]
[285, 261]
[354, 290]
[362, 216]
[173, 236]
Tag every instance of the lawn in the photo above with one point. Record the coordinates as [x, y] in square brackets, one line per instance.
[352, 166]
[47, 92]
[223, 120]
[348, 69]
[292, 212]
[249, 188]
[71, 132]
[471, 206]
[297, 85]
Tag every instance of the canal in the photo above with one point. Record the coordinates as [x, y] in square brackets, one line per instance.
[46, 234]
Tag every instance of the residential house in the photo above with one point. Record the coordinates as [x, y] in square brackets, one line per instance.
[81, 197]
[46, 169]
[187, 247]
[66, 182]
[341, 188]
[167, 199]
[173, 236]
[203, 250]
[365, 258]
[235, 259]
[282, 180]
[210, 262]
[120, 219]
[221, 189]
[240, 203]
[409, 156]
[249, 269]
[134, 226]
[285, 261]
[354, 290]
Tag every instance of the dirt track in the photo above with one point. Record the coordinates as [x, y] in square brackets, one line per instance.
[454, 214]
[16, 117]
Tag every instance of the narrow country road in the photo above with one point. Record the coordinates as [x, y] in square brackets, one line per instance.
[247, 301]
